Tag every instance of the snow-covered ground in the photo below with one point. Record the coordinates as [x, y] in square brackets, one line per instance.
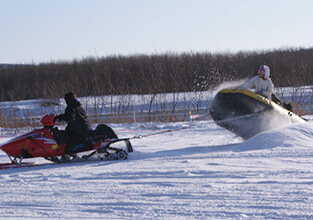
[201, 172]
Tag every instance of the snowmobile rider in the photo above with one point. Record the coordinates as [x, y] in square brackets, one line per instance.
[262, 83]
[78, 127]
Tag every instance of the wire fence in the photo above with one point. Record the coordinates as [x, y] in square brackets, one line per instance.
[24, 124]
[17, 124]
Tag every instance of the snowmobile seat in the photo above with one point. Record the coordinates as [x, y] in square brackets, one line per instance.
[103, 132]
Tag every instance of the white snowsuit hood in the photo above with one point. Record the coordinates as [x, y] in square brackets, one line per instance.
[264, 70]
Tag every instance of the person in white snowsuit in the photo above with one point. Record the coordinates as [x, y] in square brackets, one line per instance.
[262, 84]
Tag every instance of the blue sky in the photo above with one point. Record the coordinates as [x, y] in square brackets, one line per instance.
[35, 31]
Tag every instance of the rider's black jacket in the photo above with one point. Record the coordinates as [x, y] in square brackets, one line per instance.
[76, 118]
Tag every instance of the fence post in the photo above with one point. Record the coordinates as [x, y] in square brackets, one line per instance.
[134, 116]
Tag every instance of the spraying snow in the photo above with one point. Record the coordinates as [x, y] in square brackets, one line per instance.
[228, 85]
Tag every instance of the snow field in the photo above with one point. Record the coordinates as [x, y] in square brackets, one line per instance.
[201, 172]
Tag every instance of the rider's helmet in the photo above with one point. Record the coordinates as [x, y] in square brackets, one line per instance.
[69, 97]
[265, 71]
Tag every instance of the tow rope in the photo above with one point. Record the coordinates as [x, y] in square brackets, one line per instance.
[186, 127]
[157, 133]
[152, 134]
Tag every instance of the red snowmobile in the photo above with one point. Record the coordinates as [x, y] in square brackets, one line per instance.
[50, 143]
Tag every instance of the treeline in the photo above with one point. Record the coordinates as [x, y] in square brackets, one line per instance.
[151, 74]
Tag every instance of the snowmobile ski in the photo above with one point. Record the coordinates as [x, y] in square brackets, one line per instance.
[16, 165]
